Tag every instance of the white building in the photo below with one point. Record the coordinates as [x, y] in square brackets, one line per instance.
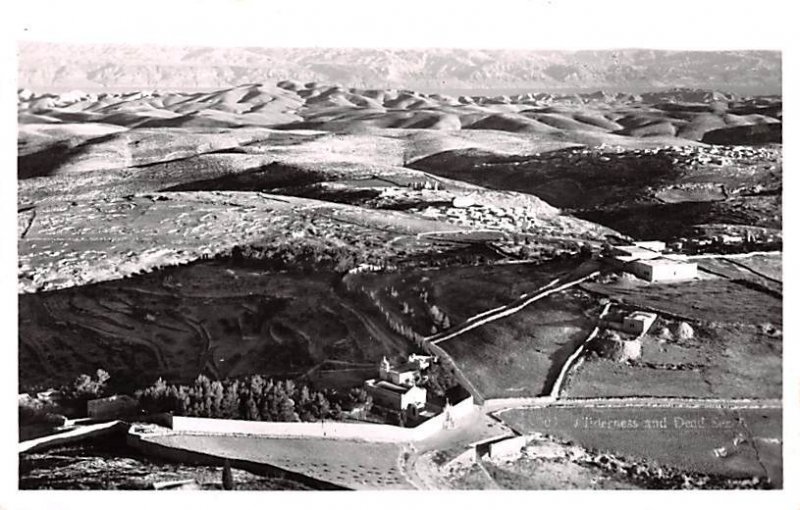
[407, 374]
[663, 269]
[638, 251]
[393, 396]
[646, 260]
[638, 322]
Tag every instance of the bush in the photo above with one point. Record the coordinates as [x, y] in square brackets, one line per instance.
[441, 377]
[35, 412]
[85, 388]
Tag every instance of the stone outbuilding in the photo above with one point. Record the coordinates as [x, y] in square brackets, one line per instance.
[638, 323]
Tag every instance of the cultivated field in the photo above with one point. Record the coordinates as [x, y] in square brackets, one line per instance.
[521, 355]
[713, 300]
[722, 442]
[721, 361]
[220, 318]
[770, 266]
[735, 350]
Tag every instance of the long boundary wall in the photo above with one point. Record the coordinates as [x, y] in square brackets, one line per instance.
[78, 434]
[185, 456]
[378, 433]
[555, 392]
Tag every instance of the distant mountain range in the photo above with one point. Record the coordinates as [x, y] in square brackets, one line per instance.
[59, 67]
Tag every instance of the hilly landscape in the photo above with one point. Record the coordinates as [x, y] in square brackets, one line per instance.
[60, 68]
[196, 215]
[113, 185]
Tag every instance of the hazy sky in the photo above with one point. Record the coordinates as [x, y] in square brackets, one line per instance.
[535, 24]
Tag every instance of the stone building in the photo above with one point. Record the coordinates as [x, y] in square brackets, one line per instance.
[397, 386]
[396, 397]
[646, 260]
[638, 322]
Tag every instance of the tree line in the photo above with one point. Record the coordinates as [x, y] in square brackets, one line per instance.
[250, 398]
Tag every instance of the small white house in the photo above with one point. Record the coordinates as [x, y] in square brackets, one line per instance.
[406, 374]
[638, 322]
[663, 269]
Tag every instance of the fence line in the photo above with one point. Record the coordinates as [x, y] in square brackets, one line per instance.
[556, 390]
[514, 309]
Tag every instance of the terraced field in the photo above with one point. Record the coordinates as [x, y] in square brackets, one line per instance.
[219, 318]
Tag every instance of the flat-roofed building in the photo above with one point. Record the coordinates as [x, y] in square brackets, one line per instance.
[638, 322]
[407, 374]
[663, 269]
[393, 396]
[658, 246]
[633, 252]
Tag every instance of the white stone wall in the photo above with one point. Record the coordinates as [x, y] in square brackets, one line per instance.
[507, 447]
[328, 429]
[674, 272]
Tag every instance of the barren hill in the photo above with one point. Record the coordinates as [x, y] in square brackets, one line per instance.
[93, 67]
[125, 198]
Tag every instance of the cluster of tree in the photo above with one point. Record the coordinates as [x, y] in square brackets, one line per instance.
[85, 387]
[398, 327]
[393, 322]
[312, 252]
[299, 256]
[250, 398]
[441, 378]
[34, 411]
[440, 320]
[69, 399]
